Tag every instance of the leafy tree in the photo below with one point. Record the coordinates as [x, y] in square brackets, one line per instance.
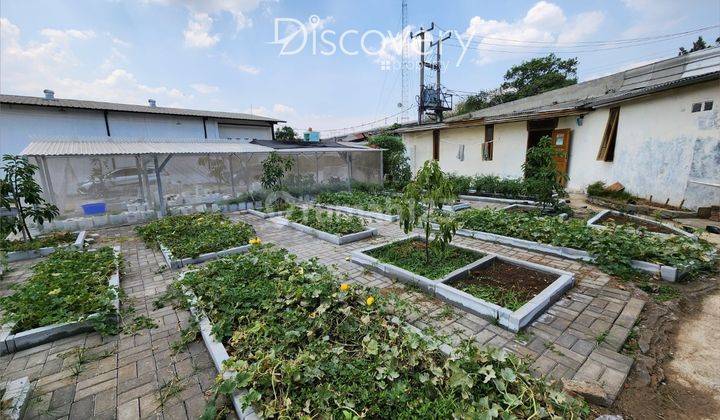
[539, 75]
[395, 162]
[19, 188]
[274, 169]
[544, 179]
[285, 133]
[432, 189]
[698, 45]
[530, 78]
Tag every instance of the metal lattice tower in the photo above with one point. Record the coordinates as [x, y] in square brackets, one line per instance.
[404, 64]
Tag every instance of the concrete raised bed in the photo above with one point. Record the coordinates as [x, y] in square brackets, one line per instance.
[16, 394]
[363, 213]
[667, 273]
[264, 215]
[512, 320]
[11, 343]
[218, 354]
[643, 209]
[328, 237]
[496, 200]
[174, 263]
[595, 222]
[455, 207]
[45, 251]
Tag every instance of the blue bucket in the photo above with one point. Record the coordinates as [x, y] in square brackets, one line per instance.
[93, 208]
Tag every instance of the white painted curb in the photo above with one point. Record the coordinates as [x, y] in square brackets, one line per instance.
[328, 237]
[45, 251]
[594, 222]
[363, 213]
[175, 263]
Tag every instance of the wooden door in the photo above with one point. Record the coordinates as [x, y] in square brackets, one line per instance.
[561, 141]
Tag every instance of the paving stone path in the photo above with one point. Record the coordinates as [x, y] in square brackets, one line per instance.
[139, 376]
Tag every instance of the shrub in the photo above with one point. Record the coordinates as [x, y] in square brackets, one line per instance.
[395, 162]
[304, 346]
[542, 176]
[51, 240]
[598, 189]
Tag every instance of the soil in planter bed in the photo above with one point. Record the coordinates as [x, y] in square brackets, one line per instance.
[504, 284]
[410, 255]
[49, 240]
[621, 219]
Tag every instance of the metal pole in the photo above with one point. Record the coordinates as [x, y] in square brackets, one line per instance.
[422, 76]
[232, 176]
[382, 168]
[140, 178]
[317, 168]
[159, 187]
[145, 179]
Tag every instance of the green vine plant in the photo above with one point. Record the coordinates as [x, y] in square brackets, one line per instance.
[432, 189]
[19, 189]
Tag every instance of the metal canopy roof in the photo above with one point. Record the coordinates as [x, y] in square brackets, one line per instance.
[115, 146]
[111, 106]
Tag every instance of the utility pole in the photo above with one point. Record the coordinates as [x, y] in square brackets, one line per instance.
[403, 63]
[438, 44]
[421, 34]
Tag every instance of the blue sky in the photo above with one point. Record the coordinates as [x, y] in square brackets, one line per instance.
[220, 55]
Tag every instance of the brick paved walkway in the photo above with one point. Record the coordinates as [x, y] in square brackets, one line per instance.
[578, 338]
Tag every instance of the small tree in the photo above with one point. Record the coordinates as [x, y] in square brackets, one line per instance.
[431, 189]
[542, 176]
[274, 169]
[19, 188]
[285, 133]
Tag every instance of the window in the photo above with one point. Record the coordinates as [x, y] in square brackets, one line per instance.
[697, 107]
[607, 147]
[708, 106]
[487, 152]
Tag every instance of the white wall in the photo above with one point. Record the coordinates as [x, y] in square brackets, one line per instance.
[19, 124]
[662, 148]
[125, 124]
[232, 131]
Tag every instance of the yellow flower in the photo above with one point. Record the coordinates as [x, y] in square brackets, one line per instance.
[347, 258]
[344, 287]
[312, 315]
[370, 300]
[54, 292]
[255, 241]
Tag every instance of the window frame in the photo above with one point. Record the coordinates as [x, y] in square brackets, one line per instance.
[488, 142]
[609, 139]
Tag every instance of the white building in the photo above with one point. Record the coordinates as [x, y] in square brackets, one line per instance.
[24, 118]
[655, 129]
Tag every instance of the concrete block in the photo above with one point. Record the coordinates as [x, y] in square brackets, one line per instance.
[327, 237]
[17, 394]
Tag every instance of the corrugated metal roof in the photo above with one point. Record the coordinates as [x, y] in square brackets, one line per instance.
[94, 147]
[111, 106]
[129, 146]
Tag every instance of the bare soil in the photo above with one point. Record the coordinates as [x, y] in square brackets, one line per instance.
[619, 219]
[523, 282]
[676, 374]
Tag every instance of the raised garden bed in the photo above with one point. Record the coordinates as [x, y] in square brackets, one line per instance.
[526, 287]
[335, 228]
[69, 293]
[613, 250]
[42, 246]
[498, 200]
[642, 208]
[380, 206]
[14, 398]
[196, 238]
[290, 341]
[611, 217]
[455, 207]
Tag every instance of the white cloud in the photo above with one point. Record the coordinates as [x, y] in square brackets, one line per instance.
[197, 33]
[247, 69]
[544, 24]
[204, 88]
[28, 68]
[281, 109]
[121, 43]
[202, 12]
[581, 26]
